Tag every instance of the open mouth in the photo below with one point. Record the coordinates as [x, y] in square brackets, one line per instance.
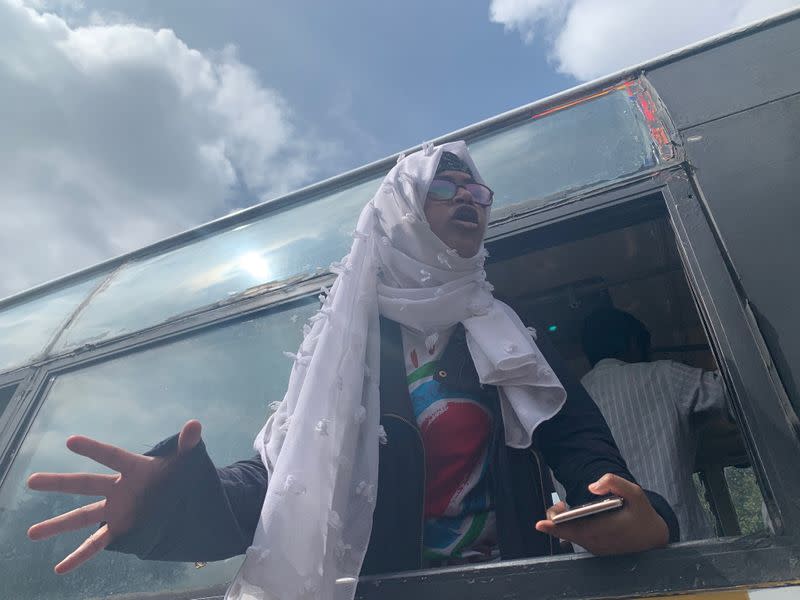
[466, 214]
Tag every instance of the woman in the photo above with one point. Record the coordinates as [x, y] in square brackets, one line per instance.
[412, 365]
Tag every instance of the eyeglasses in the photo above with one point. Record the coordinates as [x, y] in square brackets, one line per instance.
[443, 190]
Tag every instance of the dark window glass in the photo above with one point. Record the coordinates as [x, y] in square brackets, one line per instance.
[6, 394]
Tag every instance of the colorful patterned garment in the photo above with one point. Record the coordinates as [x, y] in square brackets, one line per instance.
[456, 430]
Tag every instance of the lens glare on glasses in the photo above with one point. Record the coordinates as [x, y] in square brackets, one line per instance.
[481, 193]
[443, 190]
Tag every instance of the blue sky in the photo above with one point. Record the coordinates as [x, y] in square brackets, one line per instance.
[378, 80]
[128, 121]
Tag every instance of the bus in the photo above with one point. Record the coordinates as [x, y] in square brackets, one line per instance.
[669, 190]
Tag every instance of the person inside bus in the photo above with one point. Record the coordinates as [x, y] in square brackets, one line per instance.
[404, 437]
[654, 410]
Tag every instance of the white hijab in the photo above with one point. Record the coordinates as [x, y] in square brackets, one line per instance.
[320, 447]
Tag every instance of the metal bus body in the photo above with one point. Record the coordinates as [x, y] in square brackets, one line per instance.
[703, 140]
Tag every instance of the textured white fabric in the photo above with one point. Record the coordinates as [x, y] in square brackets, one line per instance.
[320, 447]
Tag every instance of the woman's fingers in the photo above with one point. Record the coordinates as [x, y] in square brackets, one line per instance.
[614, 484]
[557, 508]
[546, 526]
[633, 528]
[70, 521]
[111, 456]
[189, 436]
[85, 484]
[578, 531]
[92, 545]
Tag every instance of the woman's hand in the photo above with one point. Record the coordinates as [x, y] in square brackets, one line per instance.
[136, 476]
[633, 528]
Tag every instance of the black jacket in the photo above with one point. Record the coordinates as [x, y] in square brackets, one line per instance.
[203, 514]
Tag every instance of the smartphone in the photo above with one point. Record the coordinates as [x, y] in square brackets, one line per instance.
[586, 510]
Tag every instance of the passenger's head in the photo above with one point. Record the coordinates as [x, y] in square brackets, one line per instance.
[612, 333]
[457, 206]
[430, 215]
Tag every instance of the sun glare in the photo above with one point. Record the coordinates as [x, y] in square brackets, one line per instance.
[255, 264]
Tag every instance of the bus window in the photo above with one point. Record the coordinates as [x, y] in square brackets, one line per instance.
[527, 164]
[636, 269]
[286, 243]
[6, 394]
[225, 376]
[27, 327]
[750, 511]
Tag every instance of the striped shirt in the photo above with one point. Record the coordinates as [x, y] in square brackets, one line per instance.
[653, 410]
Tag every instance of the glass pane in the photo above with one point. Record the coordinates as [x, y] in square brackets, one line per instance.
[701, 495]
[595, 141]
[225, 377]
[26, 328]
[6, 394]
[747, 501]
[286, 243]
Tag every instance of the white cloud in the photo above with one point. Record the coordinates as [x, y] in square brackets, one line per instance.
[115, 135]
[525, 15]
[590, 38]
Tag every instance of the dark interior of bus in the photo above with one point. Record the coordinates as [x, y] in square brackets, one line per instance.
[627, 258]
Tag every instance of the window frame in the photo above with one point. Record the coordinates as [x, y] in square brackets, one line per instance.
[587, 93]
[34, 294]
[32, 391]
[15, 377]
[694, 566]
[741, 352]
[22, 380]
[768, 427]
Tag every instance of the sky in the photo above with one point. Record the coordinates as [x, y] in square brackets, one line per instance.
[125, 122]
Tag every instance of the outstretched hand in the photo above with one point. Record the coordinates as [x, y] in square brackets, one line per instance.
[633, 528]
[124, 492]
